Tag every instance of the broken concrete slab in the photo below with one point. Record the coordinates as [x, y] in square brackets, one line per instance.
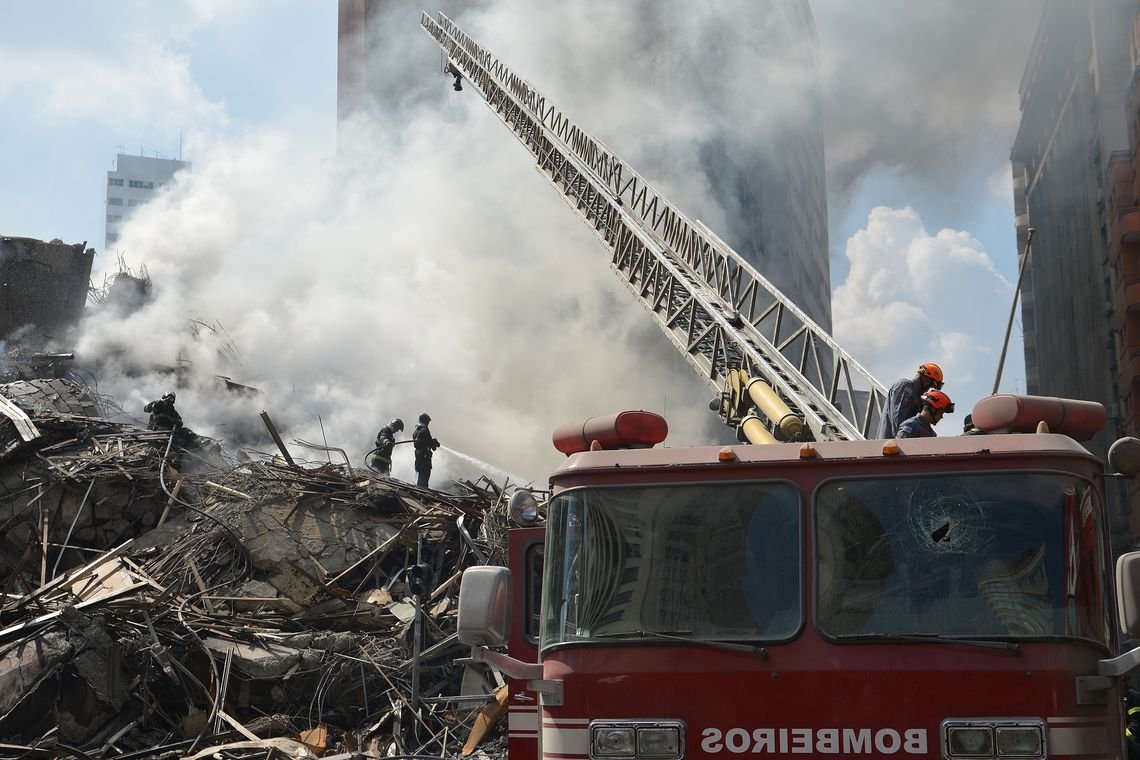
[24, 665]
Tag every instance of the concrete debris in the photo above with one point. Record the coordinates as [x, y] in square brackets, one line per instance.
[157, 601]
[43, 285]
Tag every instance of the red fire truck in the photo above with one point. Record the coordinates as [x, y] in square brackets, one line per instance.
[938, 598]
[822, 595]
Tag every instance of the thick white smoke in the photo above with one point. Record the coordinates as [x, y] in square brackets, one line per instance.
[438, 272]
[440, 275]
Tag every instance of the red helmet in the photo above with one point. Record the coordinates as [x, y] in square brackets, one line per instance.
[938, 401]
[933, 371]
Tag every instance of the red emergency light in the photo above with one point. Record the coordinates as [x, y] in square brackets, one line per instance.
[1080, 420]
[622, 430]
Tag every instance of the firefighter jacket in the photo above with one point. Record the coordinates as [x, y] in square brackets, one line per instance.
[163, 415]
[424, 445]
[385, 442]
[903, 402]
[916, 427]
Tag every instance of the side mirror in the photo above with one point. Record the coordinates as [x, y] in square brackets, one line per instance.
[1128, 593]
[485, 606]
[1124, 456]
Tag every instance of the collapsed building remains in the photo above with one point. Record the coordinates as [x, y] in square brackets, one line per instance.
[157, 602]
[43, 285]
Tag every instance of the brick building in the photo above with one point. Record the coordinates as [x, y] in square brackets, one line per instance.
[1072, 160]
[1122, 201]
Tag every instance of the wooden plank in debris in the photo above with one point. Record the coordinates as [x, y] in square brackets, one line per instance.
[227, 489]
[71, 575]
[488, 716]
[30, 624]
[238, 726]
[316, 739]
[104, 581]
[198, 579]
[170, 501]
[277, 438]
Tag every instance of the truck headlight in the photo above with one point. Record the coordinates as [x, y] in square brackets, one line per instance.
[662, 741]
[970, 741]
[997, 738]
[1019, 741]
[637, 739]
[613, 741]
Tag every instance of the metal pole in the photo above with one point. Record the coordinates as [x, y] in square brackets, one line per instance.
[1013, 307]
[417, 630]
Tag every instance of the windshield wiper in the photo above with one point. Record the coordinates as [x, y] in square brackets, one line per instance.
[685, 637]
[929, 637]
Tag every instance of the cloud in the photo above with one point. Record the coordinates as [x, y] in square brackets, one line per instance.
[913, 297]
[77, 86]
[117, 65]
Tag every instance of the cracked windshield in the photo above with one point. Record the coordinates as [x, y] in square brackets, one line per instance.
[1003, 555]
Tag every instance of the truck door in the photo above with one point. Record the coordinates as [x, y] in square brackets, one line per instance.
[526, 547]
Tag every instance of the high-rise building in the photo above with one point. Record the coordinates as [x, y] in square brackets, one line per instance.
[1072, 136]
[132, 181]
[1122, 200]
[765, 170]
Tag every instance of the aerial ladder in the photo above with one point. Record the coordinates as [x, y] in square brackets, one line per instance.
[778, 375]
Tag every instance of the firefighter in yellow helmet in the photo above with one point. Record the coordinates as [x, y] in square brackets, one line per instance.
[380, 458]
[904, 399]
[934, 405]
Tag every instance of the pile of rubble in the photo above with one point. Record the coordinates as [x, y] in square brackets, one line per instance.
[162, 603]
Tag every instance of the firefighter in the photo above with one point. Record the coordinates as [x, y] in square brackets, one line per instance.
[903, 399]
[969, 428]
[424, 445]
[163, 415]
[380, 458]
[934, 405]
[1132, 722]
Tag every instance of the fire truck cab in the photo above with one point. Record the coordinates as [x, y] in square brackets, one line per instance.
[947, 597]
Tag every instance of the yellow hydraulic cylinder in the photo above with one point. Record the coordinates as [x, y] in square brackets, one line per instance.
[754, 430]
[774, 408]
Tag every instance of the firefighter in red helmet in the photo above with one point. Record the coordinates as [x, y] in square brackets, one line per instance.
[904, 399]
[934, 405]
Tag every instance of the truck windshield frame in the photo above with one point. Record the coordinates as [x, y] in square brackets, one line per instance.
[722, 561]
[1004, 555]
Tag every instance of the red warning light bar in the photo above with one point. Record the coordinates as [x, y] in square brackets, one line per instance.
[622, 430]
[1080, 420]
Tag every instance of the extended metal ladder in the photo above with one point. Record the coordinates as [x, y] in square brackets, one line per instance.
[711, 303]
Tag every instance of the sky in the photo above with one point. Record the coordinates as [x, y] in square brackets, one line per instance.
[436, 270]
